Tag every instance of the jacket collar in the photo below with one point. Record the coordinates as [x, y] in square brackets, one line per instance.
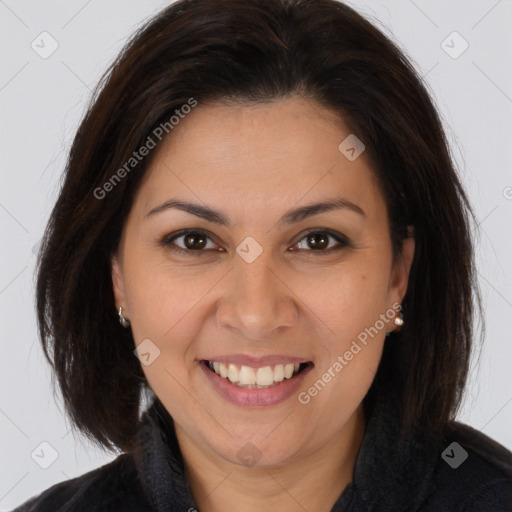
[387, 476]
[159, 462]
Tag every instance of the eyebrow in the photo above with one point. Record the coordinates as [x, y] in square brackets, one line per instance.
[291, 217]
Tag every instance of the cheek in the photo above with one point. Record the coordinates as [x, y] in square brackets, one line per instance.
[161, 295]
[166, 306]
[351, 304]
[163, 306]
[349, 364]
[350, 299]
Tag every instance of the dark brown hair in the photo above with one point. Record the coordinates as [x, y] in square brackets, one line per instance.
[257, 51]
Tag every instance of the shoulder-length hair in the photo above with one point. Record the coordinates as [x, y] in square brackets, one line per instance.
[256, 51]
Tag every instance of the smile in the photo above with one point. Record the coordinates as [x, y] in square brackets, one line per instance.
[255, 383]
[256, 378]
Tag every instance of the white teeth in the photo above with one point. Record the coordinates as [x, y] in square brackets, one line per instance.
[254, 378]
[264, 376]
[233, 373]
[246, 376]
[279, 373]
[288, 370]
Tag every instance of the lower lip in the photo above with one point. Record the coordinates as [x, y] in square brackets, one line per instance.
[254, 397]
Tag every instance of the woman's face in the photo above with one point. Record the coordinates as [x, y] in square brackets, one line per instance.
[268, 284]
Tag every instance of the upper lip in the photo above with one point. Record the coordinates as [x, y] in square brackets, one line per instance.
[256, 362]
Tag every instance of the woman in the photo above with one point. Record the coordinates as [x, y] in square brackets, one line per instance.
[261, 227]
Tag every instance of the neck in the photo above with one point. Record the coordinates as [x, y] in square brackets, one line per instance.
[310, 480]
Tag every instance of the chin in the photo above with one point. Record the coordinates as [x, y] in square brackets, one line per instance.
[258, 451]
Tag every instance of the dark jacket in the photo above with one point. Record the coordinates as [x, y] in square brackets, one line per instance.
[465, 471]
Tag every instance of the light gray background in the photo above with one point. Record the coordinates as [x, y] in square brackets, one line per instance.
[42, 100]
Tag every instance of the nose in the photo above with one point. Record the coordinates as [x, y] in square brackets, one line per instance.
[256, 301]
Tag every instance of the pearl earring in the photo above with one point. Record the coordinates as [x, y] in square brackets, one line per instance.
[399, 320]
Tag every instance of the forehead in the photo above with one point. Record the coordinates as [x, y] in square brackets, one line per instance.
[258, 158]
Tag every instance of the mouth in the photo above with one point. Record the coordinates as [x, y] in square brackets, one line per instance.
[263, 377]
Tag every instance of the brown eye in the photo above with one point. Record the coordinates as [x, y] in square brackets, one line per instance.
[319, 241]
[194, 241]
[189, 241]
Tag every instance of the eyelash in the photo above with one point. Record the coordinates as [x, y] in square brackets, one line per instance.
[168, 240]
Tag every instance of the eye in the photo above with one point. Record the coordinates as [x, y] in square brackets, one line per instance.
[196, 240]
[318, 241]
[192, 240]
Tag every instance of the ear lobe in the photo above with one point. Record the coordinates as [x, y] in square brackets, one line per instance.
[117, 282]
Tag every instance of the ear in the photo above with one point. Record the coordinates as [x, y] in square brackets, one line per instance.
[118, 283]
[401, 269]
